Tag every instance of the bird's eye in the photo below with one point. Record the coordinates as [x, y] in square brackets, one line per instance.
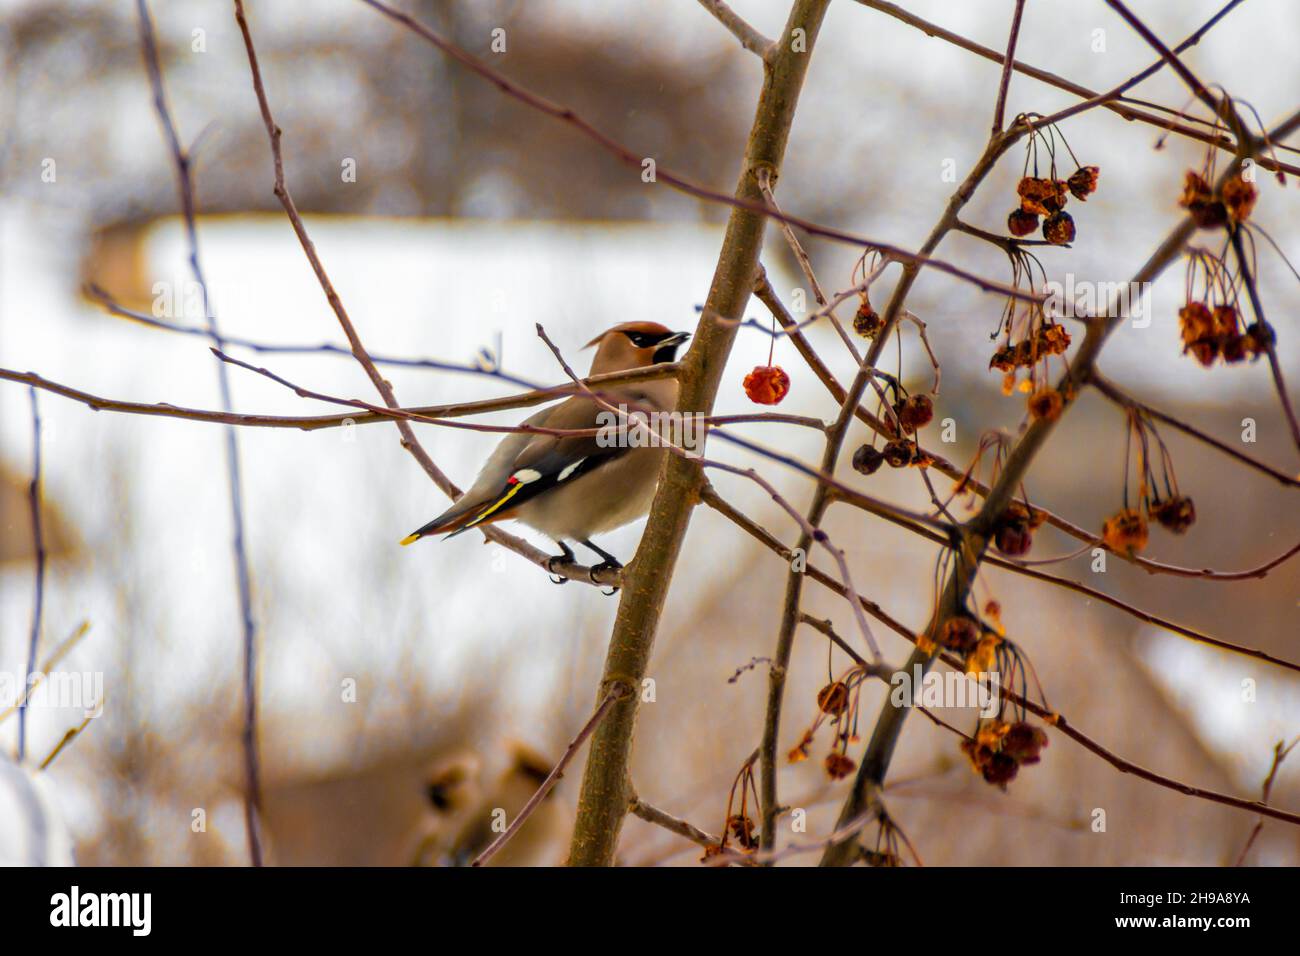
[639, 339]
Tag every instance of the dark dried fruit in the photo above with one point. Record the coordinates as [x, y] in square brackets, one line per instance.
[1023, 742]
[1083, 183]
[742, 828]
[900, 452]
[867, 460]
[833, 699]
[1234, 349]
[1000, 769]
[1260, 337]
[1013, 539]
[1021, 222]
[767, 384]
[839, 766]
[959, 633]
[1177, 514]
[867, 321]
[1239, 197]
[1058, 229]
[1042, 197]
[1198, 199]
[1200, 331]
[914, 412]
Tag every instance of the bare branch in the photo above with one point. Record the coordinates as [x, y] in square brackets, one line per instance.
[749, 38]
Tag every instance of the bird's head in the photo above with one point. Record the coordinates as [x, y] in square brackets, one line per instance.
[634, 345]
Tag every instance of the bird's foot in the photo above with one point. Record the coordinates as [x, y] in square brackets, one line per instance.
[596, 569]
[564, 558]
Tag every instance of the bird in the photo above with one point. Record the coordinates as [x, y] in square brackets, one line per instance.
[571, 488]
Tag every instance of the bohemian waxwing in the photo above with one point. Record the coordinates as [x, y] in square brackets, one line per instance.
[571, 488]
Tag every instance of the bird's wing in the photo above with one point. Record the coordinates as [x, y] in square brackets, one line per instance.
[540, 463]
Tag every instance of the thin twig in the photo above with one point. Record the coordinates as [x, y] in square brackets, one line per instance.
[639, 808]
[1280, 751]
[1000, 107]
[615, 692]
[38, 542]
[234, 479]
[749, 38]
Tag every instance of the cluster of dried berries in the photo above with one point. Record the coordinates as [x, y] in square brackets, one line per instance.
[910, 413]
[837, 703]
[1013, 534]
[1235, 202]
[767, 384]
[1211, 333]
[899, 453]
[1042, 340]
[1045, 197]
[1029, 337]
[999, 749]
[1127, 530]
[739, 825]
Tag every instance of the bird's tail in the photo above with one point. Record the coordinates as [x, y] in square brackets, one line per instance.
[455, 520]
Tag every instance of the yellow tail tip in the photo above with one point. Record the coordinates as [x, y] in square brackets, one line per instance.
[410, 539]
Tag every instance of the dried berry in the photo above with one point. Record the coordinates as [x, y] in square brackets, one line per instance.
[867, 321]
[1259, 338]
[900, 452]
[767, 384]
[959, 633]
[1198, 199]
[1004, 359]
[1043, 197]
[1052, 339]
[1046, 403]
[914, 412]
[1234, 349]
[1021, 222]
[1013, 538]
[1125, 531]
[742, 828]
[1058, 229]
[1176, 514]
[1239, 197]
[833, 699]
[1200, 332]
[867, 460]
[1083, 183]
[1000, 770]
[1225, 320]
[1023, 742]
[839, 766]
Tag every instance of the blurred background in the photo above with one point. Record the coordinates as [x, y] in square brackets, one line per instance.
[469, 219]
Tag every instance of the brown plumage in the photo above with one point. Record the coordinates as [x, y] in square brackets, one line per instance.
[573, 487]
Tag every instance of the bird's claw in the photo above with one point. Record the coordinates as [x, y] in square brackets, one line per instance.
[556, 576]
[604, 566]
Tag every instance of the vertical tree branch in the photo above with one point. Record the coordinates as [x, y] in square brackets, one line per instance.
[1000, 110]
[604, 800]
[38, 544]
[185, 190]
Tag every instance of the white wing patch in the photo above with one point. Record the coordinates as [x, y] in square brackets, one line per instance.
[570, 469]
[526, 475]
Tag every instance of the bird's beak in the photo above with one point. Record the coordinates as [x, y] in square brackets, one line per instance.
[677, 338]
